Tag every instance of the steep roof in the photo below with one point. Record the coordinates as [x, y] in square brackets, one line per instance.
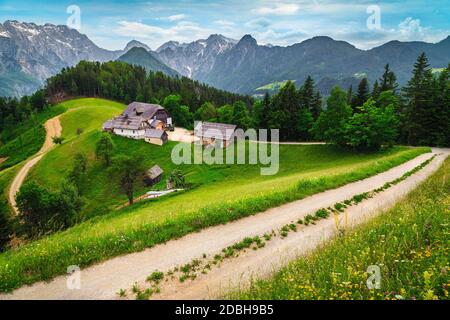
[144, 110]
[154, 172]
[109, 124]
[154, 133]
[129, 123]
[214, 130]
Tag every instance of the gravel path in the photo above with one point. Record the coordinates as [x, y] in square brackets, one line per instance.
[103, 281]
[53, 129]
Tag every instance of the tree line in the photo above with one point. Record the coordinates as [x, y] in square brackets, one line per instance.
[364, 119]
[126, 83]
[14, 111]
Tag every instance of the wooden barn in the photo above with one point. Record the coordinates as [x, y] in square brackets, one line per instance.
[153, 175]
[155, 136]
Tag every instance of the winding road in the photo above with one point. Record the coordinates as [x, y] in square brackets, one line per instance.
[104, 280]
[52, 129]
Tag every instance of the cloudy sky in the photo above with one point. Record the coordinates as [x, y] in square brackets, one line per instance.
[111, 24]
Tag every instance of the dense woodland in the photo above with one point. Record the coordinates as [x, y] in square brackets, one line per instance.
[366, 118]
[123, 82]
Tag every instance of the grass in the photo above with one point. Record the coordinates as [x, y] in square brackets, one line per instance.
[220, 193]
[134, 229]
[220, 182]
[26, 139]
[274, 86]
[409, 243]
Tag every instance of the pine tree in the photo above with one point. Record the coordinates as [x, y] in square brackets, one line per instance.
[441, 130]
[362, 95]
[317, 104]
[284, 111]
[309, 98]
[376, 90]
[420, 111]
[389, 80]
[350, 95]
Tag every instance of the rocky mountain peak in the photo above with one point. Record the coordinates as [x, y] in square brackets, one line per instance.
[247, 40]
[136, 44]
[172, 45]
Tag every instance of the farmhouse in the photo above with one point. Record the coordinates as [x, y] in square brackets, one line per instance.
[137, 119]
[219, 134]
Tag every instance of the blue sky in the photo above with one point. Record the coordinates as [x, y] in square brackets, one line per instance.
[111, 24]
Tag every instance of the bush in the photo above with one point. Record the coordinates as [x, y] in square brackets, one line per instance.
[371, 127]
[57, 140]
[43, 211]
[176, 179]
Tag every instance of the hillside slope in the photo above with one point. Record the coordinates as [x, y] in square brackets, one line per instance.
[141, 57]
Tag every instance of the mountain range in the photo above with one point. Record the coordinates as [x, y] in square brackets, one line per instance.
[30, 53]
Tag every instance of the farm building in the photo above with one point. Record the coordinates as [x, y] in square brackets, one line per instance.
[137, 119]
[155, 136]
[210, 133]
[153, 175]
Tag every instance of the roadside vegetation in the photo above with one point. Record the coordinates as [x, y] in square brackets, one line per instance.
[149, 223]
[205, 264]
[409, 243]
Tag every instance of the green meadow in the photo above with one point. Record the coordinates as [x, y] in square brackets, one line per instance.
[409, 243]
[217, 194]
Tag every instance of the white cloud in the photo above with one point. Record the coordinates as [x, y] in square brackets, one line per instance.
[183, 31]
[259, 23]
[281, 9]
[175, 17]
[411, 29]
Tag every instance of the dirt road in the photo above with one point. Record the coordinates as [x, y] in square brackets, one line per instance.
[102, 281]
[52, 129]
[182, 135]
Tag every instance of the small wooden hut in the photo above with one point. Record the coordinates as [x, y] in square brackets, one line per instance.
[153, 175]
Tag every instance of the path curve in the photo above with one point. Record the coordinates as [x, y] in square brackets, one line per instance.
[52, 129]
[104, 280]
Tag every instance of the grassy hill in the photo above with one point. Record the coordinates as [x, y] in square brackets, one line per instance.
[25, 139]
[220, 193]
[211, 184]
[409, 243]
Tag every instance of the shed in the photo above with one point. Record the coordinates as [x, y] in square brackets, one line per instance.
[153, 175]
[155, 136]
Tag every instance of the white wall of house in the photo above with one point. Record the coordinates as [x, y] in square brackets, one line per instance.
[134, 134]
